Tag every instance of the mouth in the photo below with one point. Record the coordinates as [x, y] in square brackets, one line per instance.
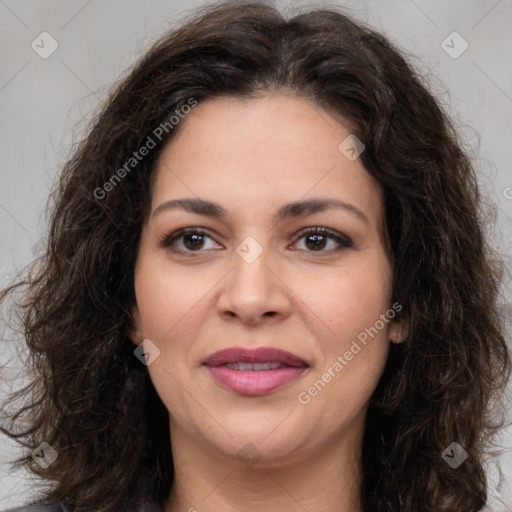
[254, 372]
[254, 367]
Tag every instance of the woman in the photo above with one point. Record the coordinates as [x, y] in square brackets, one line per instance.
[266, 286]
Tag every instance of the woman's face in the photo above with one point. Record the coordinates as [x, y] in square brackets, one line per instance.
[252, 278]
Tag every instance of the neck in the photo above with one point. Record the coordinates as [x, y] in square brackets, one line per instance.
[326, 479]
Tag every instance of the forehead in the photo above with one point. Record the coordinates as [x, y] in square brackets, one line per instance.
[267, 150]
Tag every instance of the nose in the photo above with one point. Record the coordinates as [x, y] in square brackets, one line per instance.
[254, 293]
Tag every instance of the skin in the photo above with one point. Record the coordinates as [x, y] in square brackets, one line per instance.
[252, 156]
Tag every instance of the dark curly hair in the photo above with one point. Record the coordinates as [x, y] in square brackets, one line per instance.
[89, 395]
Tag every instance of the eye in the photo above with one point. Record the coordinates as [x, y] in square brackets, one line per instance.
[190, 240]
[317, 238]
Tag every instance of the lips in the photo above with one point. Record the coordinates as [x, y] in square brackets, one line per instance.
[256, 357]
[254, 372]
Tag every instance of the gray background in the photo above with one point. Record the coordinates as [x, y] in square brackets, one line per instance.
[46, 103]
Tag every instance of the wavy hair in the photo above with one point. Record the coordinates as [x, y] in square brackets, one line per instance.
[93, 401]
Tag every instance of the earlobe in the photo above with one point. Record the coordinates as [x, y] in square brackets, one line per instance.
[398, 331]
[135, 330]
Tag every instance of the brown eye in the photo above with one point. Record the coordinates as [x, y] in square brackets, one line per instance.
[318, 238]
[316, 241]
[187, 240]
[193, 241]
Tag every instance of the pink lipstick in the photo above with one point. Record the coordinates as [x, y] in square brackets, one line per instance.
[254, 372]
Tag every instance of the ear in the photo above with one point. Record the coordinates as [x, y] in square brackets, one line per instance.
[135, 329]
[398, 331]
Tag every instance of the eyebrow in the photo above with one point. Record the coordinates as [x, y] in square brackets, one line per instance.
[288, 210]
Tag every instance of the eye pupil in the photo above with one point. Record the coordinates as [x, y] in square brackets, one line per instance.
[319, 241]
[197, 241]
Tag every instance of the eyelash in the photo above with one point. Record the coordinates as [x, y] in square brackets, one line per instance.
[344, 242]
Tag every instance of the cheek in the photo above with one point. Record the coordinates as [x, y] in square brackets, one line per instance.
[349, 299]
[352, 308]
[165, 297]
[170, 303]
[353, 352]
